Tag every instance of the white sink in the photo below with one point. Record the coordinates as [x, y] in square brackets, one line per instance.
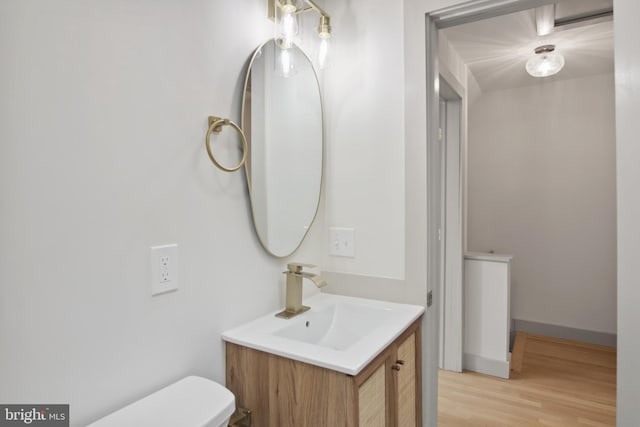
[338, 332]
[337, 326]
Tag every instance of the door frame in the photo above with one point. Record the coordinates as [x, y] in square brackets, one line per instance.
[453, 146]
[422, 20]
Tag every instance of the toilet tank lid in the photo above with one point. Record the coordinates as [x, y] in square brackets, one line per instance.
[191, 402]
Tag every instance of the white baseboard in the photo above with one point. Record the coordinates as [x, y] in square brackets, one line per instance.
[482, 365]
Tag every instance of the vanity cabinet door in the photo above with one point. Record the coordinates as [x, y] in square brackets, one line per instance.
[372, 399]
[407, 392]
[389, 389]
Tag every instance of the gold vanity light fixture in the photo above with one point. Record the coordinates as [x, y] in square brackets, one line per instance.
[285, 14]
[545, 61]
[286, 21]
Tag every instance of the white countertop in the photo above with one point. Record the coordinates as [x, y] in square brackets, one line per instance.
[388, 321]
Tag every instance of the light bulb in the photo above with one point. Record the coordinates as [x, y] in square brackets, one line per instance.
[323, 53]
[289, 25]
[285, 62]
[324, 32]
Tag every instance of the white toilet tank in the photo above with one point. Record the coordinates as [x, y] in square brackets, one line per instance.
[190, 402]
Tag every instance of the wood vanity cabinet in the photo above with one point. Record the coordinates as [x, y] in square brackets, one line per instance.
[281, 392]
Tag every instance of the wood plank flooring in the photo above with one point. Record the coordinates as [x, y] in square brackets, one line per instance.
[553, 382]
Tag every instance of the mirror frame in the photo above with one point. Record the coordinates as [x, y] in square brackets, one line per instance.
[251, 142]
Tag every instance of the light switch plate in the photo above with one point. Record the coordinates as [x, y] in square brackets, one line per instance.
[341, 242]
[164, 269]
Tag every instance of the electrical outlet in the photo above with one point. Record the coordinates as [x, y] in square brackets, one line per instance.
[165, 274]
[164, 269]
[164, 277]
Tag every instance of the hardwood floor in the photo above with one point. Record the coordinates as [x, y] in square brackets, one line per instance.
[553, 383]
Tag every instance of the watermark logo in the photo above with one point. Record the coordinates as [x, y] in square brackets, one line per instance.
[34, 415]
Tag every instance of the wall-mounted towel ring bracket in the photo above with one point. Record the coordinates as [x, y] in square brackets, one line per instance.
[215, 125]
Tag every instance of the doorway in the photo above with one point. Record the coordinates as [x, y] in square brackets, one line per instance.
[422, 125]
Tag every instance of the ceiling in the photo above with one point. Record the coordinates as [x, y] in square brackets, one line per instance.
[497, 49]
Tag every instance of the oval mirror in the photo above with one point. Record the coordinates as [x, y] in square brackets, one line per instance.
[282, 120]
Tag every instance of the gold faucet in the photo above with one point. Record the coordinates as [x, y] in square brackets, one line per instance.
[293, 304]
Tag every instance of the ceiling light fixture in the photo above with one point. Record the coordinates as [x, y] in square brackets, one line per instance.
[545, 62]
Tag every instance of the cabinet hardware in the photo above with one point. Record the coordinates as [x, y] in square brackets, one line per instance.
[400, 362]
[395, 367]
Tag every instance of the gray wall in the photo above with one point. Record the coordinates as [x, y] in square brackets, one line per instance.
[541, 177]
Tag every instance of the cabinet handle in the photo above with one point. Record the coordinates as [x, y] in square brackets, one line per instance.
[400, 362]
[395, 367]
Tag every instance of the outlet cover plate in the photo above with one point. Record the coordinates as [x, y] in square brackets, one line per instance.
[164, 269]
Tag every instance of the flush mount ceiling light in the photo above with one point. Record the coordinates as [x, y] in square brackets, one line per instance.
[545, 62]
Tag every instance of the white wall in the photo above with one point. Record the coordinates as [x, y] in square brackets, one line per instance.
[365, 134]
[628, 174]
[365, 162]
[102, 122]
[541, 176]
[450, 59]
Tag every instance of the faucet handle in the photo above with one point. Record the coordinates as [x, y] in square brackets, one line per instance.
[296, 267]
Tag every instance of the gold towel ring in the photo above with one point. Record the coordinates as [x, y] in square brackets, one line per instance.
[215, 125]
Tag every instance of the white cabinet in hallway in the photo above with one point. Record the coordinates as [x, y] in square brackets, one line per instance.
[487, 317]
